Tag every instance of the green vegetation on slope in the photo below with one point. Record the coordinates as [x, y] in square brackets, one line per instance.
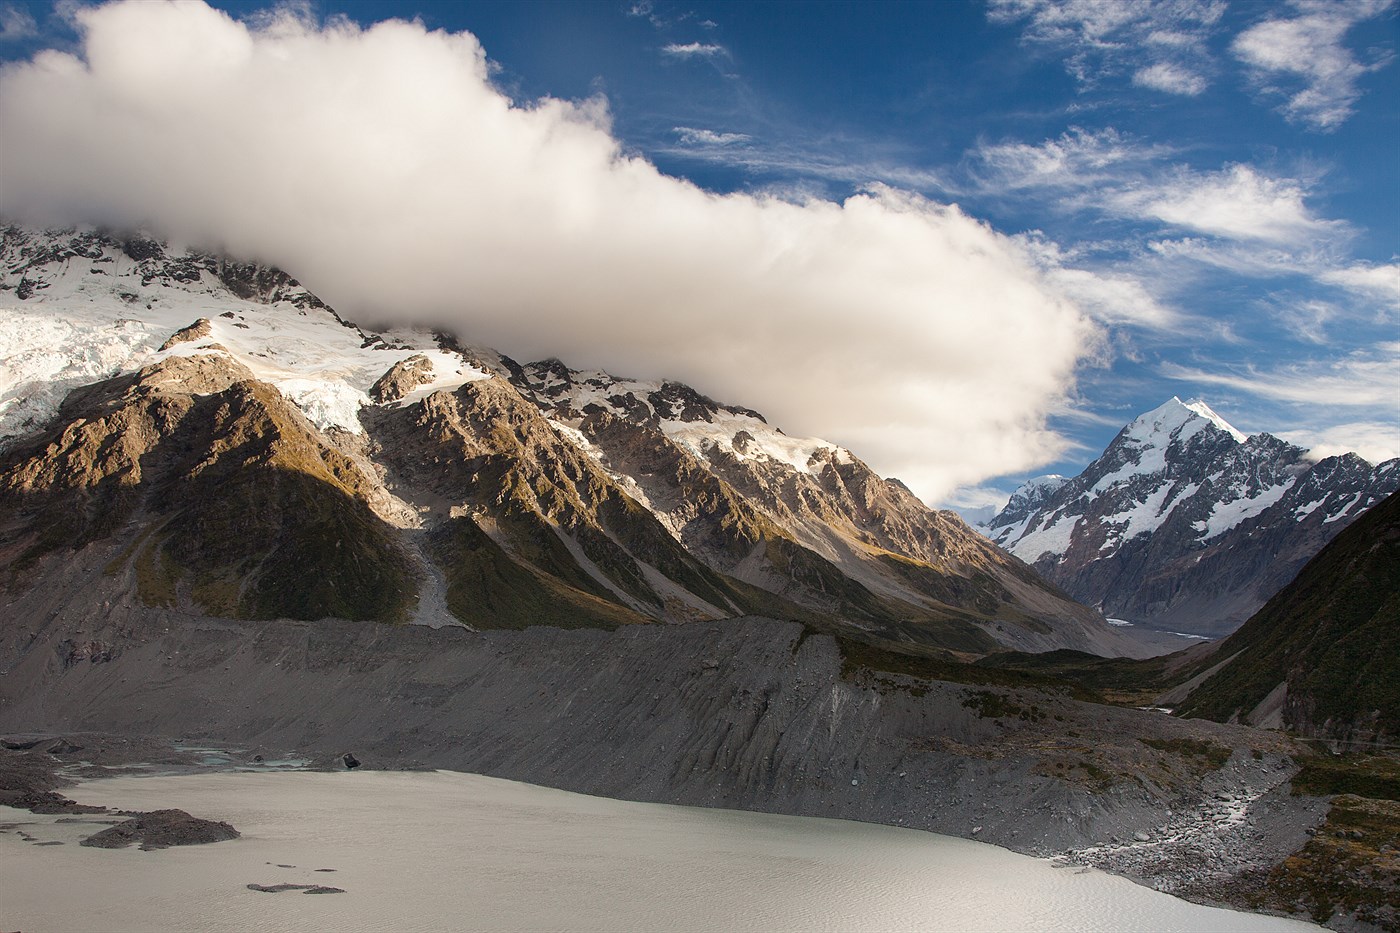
[863, 657]
[1350, 866]
[273, 543]
[487, 588]
[1125, 681]
[1333, 635]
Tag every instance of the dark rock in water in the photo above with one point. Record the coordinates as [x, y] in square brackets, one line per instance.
[303, 888]
[160, 829]
[51, 842]
[46, 802]
[257, 757]
[19, 746]
[351, 761]
[64, 747]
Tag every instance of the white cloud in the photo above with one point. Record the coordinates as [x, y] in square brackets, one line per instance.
[1170, 78]
[382, 168]
[693, 49]
[690, 136]
[1374, 441]
[16, 23]
[1305, 52]
[1238, 203]
[1376, 281]
[1110, 173]
[1163, 43]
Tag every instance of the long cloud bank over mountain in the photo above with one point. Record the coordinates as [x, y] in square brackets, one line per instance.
[383, 168]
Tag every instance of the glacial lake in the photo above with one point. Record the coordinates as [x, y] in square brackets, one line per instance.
[443, 850]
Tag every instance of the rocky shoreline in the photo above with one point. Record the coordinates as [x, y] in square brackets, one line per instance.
[33, 769]
[1196, 853]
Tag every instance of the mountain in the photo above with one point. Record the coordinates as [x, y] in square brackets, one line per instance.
[227, 443]
[1322, 657]
[1185, 524]
[230, 519]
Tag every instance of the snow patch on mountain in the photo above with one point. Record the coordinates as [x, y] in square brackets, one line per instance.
[1228, 514]
[747, 438]
[1205, 411]
[450, 372]
[79, 306]
[1343, 511]
[699, 425]
[1053, 538]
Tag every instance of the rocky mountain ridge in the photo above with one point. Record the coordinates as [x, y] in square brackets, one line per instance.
[452, 477]
[1185, 524]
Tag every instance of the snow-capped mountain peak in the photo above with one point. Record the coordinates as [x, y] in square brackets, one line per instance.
[1175, 490]
[1178, 420]
[1200, 407]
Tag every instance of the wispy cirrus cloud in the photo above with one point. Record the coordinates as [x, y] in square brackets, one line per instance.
[690, 136]
[801, 162]
[1364, 378]
[1110, 173]
[1302, 58]
[1077, 159]
[1110, 297]
[1171, 78]
[1375, 279]
[1161, 44]
[693, 49]
[16, 23]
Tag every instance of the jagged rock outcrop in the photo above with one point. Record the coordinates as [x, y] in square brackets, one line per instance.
[1184, 523]
[196, 331]
[402, 378]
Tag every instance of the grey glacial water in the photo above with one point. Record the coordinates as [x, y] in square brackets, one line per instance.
[445, 850]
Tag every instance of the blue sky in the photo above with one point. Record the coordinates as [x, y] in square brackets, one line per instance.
[1214, 182]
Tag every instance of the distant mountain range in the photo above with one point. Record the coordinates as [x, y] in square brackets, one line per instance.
[1185, 524]
[236, 448]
